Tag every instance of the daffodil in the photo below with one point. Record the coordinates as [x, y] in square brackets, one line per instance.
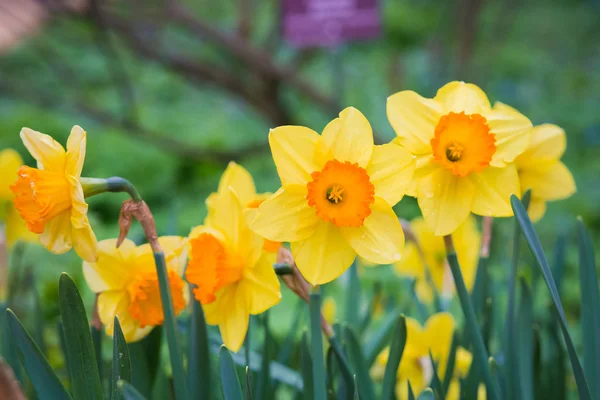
[467, 241]
[465, 151]
[336, 198]
[541, 170]
[415, 365]
[232, 275]
[328, 309]
[50, 198]
[127, 283]
[15, 228]
[240, 180]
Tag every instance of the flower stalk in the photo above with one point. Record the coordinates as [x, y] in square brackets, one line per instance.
[481, 355]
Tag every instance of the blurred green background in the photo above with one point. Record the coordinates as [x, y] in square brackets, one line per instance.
[169, 95]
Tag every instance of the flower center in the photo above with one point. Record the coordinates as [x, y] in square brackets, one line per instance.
[211, 267]
[40, 196]
[144, 296]
[463, 143]
[342, 193]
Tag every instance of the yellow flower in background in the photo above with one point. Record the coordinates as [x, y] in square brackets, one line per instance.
[541, 170]
[50, 198]
[232, 274]
[467, 241]
[127, 283]
[336, 198]
[464, 150]
[15, 228]
[415, 365]
[240, 180]
[328, 309]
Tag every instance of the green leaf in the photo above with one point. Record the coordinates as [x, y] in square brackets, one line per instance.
[427, 394]
[342, 361]
[230, 382]
[39, 318]
[356, 397]
[170, 327]
[435, 380]
[8, 348]
[396, 350]
[524, 343]
[248, 388]
[331, 372]
[316, 342]
[353, 297]
[366, 319]
[365, 385]
[83, 368]
[121, 363]
[199, 372]
[129, 392]
[263, 390]
[590, 304]
[380, 339]
[43, 378]
[450, 364]
[96, 335]
[536, 249]
[306, 367]
[411, 395]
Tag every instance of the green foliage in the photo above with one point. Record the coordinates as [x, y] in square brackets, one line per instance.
[121, 362]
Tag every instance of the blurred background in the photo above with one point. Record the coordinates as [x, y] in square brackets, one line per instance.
[171, 91]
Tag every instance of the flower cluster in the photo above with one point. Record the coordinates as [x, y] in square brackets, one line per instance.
[456, 153]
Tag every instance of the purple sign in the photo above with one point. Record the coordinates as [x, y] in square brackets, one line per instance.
[329, 22]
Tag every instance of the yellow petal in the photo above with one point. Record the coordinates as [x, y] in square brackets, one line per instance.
[536, 209]
[175, 249]
[512, 131]
[116, 303]
[261, 286]
[445, 201]
[16, 228]
[286, 216]
[463, 97]
[10, 162]
[110, 271]
[234, 323]
[380, 238]
[293, 149]
[438, 332]
[414, 119]
[78, 205]
[328, 309]
[548, 143]
[48, 153]
[493, 188]
[467, 241]
[324, 255]
[391, 170]
[200, 229]
[549, 181]
[240, 180]
[57, 233]
[424, 291]
[84, 242]
[424, 165]
[347, 138]
[76, 145]
[410, 264]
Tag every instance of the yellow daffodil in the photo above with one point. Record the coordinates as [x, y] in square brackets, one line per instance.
[336, 198]
[464, 150]
[50, 198]
[127, 283]
[541, 170]
[240, 180]
[415, 365]
[15, 228]
[329, 309]
[467, 240]
[232, 274]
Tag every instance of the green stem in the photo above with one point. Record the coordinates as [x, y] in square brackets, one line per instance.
[170, 327]
[115, 184]
[481, 355]
[316, 344]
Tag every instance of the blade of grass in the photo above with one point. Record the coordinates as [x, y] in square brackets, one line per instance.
[129, 392]
[353, 297]
[199, 381]
[248, 387]
[536, 249]
[365, 385]
[306, 367]
[230, 382]
[394, 358]
[356, 396]
[83, 368]
[316, 341]
[435, 379]
[262, 385]
[380, 339]
[524, 343]
[480, 352]
[590, 304]
[170, 327]
[42, 376]
[121, 362]
[450, 364]
[330, 368]
[411, 395]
